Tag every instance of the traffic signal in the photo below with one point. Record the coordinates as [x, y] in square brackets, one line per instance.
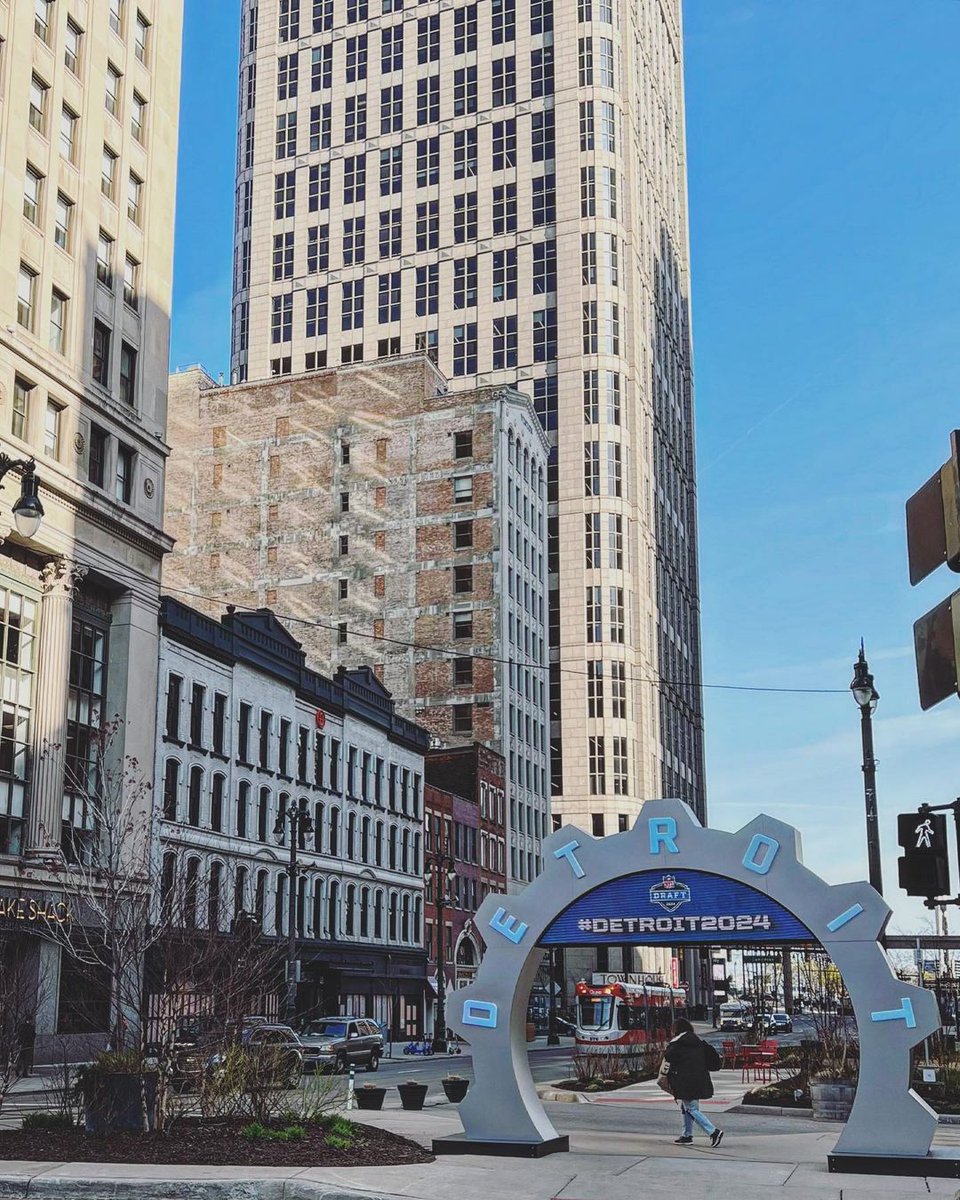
[924, 866]
[933, 538]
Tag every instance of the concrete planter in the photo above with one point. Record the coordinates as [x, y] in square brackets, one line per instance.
[832, 1099]
[455, 1089]
[412, 1095]
[370, 1098]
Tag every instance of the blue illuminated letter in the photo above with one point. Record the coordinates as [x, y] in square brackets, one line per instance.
[838, 922]
[512, 929]
[480, 1012]
[663, 832]
[759, 842]
[903, 1013]
[567, 852]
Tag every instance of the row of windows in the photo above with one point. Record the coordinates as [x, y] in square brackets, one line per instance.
[318, 16]
[316, 758]
[74, 38]
[325, 908]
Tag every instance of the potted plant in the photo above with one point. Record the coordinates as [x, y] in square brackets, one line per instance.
[833, 1081]
[119, 1093]
[455, 1087]
[370, 1096]
[412, 1094]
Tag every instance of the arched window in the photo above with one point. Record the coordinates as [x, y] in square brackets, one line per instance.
[417, 920]
[318, 827]
[335, 832]
[417, 838]
[365, 840]
[260, 898]
[283, 807]
[350, 847]
[333, 911]
[243, 807]
[378, 843]
[171, 788]
[167, 877]
[240, 892]
[301, 905]
[378, 914]
[318, 908]
[392, 858]
[215, 896]
[405, 852]
[190, 888]
[405, 919]
[350, 904]
[216, 803]
[466, 953]
[280, 915]
[263, 814]
[392, 931]
[195, 795]
[364, 912]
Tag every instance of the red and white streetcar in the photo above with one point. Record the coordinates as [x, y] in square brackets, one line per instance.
[621, 1015]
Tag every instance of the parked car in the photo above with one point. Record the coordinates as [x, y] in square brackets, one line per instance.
[777, 1022]
[336, 1042]
[277, 1049]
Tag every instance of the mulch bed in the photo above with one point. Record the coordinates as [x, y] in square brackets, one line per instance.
[207, 1143]
[780, 1094]
[601, 1085]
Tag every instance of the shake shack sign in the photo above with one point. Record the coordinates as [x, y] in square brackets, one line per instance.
[33, 910]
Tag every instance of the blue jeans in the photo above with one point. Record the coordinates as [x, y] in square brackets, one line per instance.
[691, 1112]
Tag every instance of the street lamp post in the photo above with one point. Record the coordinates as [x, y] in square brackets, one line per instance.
[553, 1035]
[27, 511]
[300, 824]
[866, 697]
[440, 868]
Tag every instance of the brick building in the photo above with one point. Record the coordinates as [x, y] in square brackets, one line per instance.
[465, 815]
[386, 525]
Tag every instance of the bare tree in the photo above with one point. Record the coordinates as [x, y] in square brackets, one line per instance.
[23, 987]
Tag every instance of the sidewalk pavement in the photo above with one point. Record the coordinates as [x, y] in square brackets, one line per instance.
[602, 1161]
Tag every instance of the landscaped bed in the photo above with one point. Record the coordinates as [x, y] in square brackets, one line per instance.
[334, 1143]
[781, 1094]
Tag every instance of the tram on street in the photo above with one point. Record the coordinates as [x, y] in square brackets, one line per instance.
[620, 1016]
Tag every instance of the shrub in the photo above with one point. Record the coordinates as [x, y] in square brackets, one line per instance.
[57, 1121]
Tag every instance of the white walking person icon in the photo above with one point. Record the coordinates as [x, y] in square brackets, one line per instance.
[924, 832]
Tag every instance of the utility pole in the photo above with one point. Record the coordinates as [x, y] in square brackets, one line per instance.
[300, 825]
[440, 870]
[866, 697]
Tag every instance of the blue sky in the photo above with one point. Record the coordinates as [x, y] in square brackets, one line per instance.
[824, 154]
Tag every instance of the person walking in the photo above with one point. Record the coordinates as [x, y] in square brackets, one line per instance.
[690, 1061]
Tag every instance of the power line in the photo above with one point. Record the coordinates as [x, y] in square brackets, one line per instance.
[445, 652]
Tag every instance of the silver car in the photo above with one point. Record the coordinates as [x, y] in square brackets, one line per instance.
[335, 1042]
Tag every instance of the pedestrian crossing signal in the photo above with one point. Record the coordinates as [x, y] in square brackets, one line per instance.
[924, 866]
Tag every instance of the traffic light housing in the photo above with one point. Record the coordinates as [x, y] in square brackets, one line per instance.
[936, 640]
[924, 867]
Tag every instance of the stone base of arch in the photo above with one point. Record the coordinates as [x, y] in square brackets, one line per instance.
[457, 1144]
[938, 1164]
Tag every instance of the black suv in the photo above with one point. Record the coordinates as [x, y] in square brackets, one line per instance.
[336, 1042]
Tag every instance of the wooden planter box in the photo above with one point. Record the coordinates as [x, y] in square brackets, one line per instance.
[412, 1095]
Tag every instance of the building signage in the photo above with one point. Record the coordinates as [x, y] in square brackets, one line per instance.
[658, 908]
[29, 908]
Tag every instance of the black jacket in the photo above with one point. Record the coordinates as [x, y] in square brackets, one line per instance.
[689, 1076]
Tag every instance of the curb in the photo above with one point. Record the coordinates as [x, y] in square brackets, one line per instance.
[762, 1110]
[37, 1187]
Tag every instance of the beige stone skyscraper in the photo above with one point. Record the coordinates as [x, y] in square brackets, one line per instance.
[503, 185]
[89, 100]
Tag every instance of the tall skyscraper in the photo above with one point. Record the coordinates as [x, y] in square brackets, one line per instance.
[89, 101]
[503, 185]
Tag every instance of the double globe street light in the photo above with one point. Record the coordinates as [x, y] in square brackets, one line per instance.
[301, 826]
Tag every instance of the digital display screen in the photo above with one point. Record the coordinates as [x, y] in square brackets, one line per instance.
[660, 908]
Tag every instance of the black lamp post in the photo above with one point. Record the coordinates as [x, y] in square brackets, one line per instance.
[866, 696]
[553, 1034]
[440, 870]
[300, 826]
[27, 511]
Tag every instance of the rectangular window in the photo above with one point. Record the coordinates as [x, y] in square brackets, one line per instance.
[289, 20]
[620, 779]
[243, 732]
[352, 305]
[318, 188]
[141, 38]
[321, 127]
[68, 134]
[105, 247]
[101, 354]
[286, 141]
[281, 318]
[428, 100]
[618, 690]
[504, 342]
[72, 46]
[614, 470]
[591, 468]
[391, 108]
[462, 671]
[594, 610]
[128, 374]
[41, 19]
[316, 319]
[391, 232]
[545, 200]
[97, 461]
[504, 144]
[123, 489]
[288, 69]
[284, 194]
[504, 275]
[116, 17]
[38, 103]
[354, 178]
[588, 192]
[465, 216]
[545, 335]
[322, 16]
[592, 540]
[391, 171]
[462, 626]
[389, 298]
[131, 283]
[32, 195]
[428, 39]
[543, 137]
[138, 119]
[428, 225]
[463, 444]
[266, 721]
[428, 162]
[464, 283]
[545, 267]
[391, 49]
[428, 289]
[463, 489]
[197, 700]
[541, 71]
[108, 173]
[321, 67]
[598, 767]
[465, 29]
[594, 688]
[51, 430]
[58, 322]
[63, 222]
[26, 296]
[462, 535]
[465, 154]
[465, 349]
[355, 69]
[462, 580]
[112, 98]
[503, 16]
[463, 718]
[464, 91]
[20, 425]
[85, 701]
[617, 622]
[504, 81]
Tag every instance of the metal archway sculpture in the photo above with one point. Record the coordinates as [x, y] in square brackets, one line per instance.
[502, 1113]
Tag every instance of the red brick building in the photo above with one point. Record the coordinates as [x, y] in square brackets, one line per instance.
[464, 818]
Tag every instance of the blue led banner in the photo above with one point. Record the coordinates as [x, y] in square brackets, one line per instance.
[652, 908]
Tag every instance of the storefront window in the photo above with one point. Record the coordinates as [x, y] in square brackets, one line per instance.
[18, 630]
[82, 781]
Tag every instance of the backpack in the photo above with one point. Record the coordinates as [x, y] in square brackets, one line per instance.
[711, 1058]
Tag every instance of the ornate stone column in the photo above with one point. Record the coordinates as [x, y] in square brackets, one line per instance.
[59, 581]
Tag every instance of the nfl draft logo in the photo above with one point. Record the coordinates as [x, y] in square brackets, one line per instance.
[670, 893]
